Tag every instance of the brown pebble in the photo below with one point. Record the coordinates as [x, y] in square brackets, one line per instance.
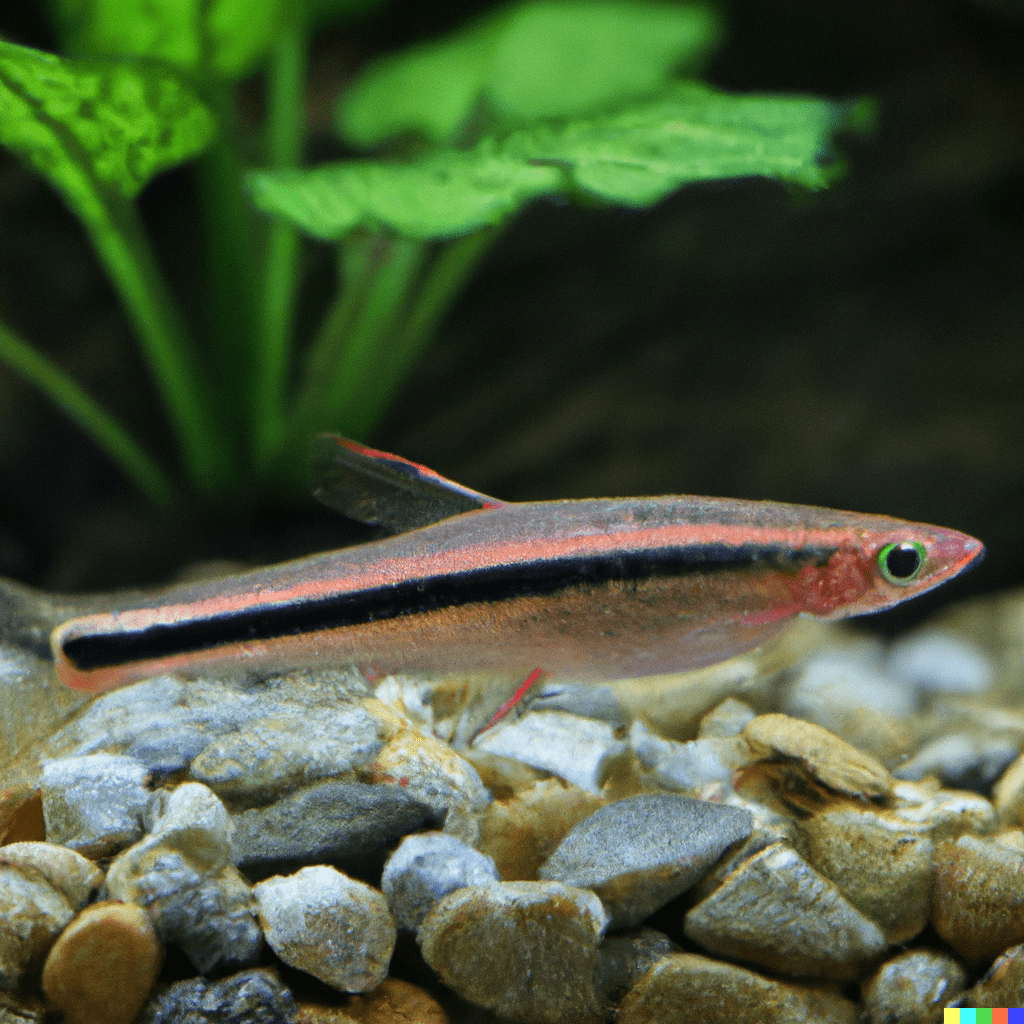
[103, 966]
[526, 950]
[687, 988]
[881, 863]
[521, 833]
[1003, 984]
[396, 1001]
[774, 910]
[978, 906]
[822, 754]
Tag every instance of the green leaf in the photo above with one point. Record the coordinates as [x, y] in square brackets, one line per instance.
[632, 157]
[442, 196]
[84, 125]
[638, 156]
[227, 37]
[548, 58]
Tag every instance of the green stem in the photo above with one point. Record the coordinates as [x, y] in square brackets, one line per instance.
[122, 246]
[231, 273]
[285, 126]
[99, 425]
[449, 272]
[335, 389]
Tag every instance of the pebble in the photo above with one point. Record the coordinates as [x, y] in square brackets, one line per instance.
[689, 989]
[1008, 793]
[638, 853]
[573, 748]
[947, 813]
[101, 969]
[526, 950]
[978, 907]
[521, 833]
[394, 1001]
[962, 760]
[846, 691]
[626, 957]
[729, 718]
[433, 774]
[94, 804]
[75, 877]
[695, 766]
[911, 988]
[880, 862]
[21, 1009]
[426, 867]
[351, 823]
[823, 755]
[32, 914]
[328, 925]
[1003, 984]
[180, 875]
[289, 749]
[936, 660]
[777, 912]
[249, 997]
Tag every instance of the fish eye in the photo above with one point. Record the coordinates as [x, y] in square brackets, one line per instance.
[900, 563]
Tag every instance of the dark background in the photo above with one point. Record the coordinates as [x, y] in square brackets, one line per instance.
[856, 349]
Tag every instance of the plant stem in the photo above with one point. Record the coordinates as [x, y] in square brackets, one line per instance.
[231, 273]
[345, 366]
[125, 252]
[451, 267]
[285, 128]
[134, 462]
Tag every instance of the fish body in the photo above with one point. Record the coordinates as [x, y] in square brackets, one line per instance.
[588, 589]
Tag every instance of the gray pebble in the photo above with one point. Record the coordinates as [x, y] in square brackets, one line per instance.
[526, 950]
[911, 988]
[32, 914]
[350, 822]
[328, 925]
[427, 866]
[727, 719]
[249, 997]
[776, 911]
[75, 877]
[641, 852]
[288, 749]
[933, 659]
[94, 804]
[626, 957]
[962, 760]
[696, 766]
[573, 748]
[191, 819]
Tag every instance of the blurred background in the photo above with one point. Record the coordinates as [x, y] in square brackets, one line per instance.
[859, 348]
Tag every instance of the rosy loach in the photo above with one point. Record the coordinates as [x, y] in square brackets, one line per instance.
[588, 589]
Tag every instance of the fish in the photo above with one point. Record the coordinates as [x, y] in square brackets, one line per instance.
[588, 589]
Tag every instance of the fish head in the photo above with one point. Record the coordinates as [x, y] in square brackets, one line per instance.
[885, 564]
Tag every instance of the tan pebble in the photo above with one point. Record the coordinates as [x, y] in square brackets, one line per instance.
[690, 989]
[777, 912]
[103, 966]
[1003, 984]
[317, 1013]
[912, 987]
[881, 864]
[74, 876]
[979, 897]
[32, 915]
[1008, 794]
[21, 816]
[948, 813]
[503, 776]
[824, 755]
[521, 833]
[526, 950]
[396, 1002]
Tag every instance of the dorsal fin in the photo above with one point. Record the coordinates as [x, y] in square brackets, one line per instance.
[386, 490]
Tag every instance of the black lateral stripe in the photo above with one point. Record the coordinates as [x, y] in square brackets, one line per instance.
[415, 596]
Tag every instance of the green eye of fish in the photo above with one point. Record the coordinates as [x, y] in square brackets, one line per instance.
[900, 563]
